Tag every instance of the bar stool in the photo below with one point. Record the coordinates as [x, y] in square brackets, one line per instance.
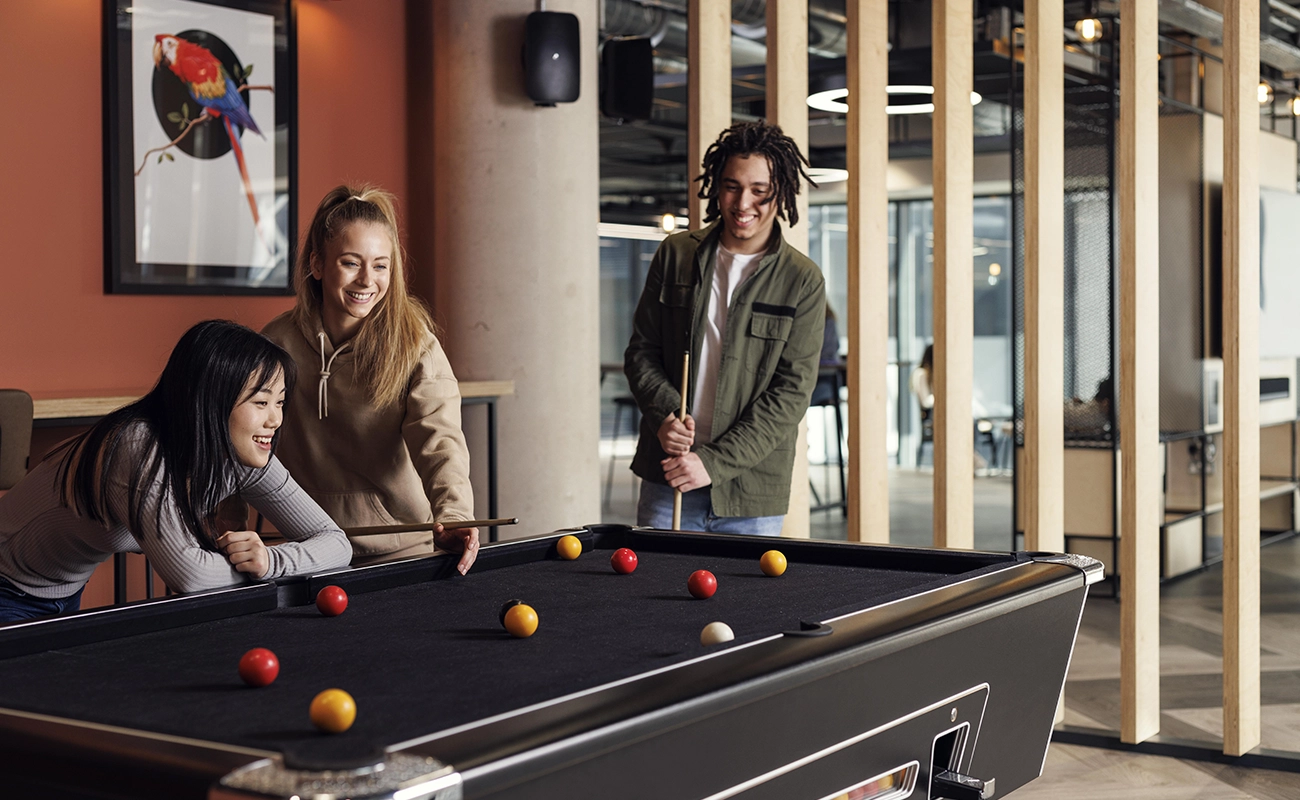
[15, 436]
[621, 402]
[927, 433]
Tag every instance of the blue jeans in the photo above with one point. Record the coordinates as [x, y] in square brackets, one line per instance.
[654, 509]
[16, 605]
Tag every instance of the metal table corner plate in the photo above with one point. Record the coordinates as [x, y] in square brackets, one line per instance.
[1093, 570]
[399, 776]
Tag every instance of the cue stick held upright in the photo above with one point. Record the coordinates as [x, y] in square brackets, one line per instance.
[681, 415]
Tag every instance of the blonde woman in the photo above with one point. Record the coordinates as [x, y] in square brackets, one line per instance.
[377, 437]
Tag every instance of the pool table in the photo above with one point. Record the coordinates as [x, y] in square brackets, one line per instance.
[863, 672]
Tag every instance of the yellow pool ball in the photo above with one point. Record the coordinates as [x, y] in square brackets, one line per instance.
[520, 621]
[333, 711]
[569, 547]
[772, 563]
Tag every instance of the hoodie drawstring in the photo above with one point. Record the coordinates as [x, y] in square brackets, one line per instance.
[322, 390]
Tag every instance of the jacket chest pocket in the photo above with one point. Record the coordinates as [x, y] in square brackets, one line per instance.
[768, 334]
[677, 295]
[677, 301]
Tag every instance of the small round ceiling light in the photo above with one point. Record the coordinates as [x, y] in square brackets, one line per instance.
[824, 175]
[668, 223]
[833, 100]
[1265, 95]
[1089, 30]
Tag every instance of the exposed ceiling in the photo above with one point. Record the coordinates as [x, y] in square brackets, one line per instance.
[643, 163]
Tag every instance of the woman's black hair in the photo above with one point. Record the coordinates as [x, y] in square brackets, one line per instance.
[186, 422]
[756, 138]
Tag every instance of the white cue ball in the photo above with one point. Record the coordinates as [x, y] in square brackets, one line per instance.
[716, 633]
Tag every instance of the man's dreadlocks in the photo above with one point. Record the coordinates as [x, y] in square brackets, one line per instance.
[756, 138]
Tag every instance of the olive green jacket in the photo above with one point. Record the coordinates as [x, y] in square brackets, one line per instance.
[766, 373]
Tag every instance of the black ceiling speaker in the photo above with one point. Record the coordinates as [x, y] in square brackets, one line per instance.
[627, 78]
[552, 63]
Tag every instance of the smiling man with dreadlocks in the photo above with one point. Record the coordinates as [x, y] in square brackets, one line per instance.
[750, 309]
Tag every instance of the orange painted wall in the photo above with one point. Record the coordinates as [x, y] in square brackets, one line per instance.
[59, 332]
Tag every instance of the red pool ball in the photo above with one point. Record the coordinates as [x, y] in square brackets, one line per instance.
[623, 561]
[332, 601]
[259, 667]
[702, 584]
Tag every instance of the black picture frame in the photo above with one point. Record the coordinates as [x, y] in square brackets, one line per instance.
[148, 264]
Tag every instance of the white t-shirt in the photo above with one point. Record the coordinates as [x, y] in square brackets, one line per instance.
[729, 272]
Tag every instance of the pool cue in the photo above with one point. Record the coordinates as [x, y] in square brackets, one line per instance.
[681, 415]
[415, 527]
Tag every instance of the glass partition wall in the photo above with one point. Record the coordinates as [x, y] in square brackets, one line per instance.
[911, 301]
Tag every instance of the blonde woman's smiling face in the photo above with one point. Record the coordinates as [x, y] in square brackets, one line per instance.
[354, 272]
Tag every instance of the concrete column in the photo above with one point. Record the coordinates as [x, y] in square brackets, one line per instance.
[513, 208]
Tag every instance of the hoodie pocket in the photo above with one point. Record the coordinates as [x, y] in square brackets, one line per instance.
[355, 509]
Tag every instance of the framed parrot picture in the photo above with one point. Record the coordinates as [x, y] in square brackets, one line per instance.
[200, 146]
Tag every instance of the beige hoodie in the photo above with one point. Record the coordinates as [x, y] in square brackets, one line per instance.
[374, 466]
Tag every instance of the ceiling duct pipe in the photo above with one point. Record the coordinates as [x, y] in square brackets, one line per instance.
[827, 36]
[1208, 23]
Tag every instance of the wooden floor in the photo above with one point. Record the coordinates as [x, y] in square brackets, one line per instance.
[1190, 658]
[1088, 773]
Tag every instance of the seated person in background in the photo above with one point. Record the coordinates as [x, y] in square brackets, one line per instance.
[385, 446]
[922, 385]
[922, 382]
[824, 393]
[149, 477]
[1090, 418]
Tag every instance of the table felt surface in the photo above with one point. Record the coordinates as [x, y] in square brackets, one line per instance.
[431, 656]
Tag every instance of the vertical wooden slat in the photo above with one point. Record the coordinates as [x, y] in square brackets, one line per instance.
[1139, 417]
[1044, 464]
[708, 88]
[1241, 684]
[953, 71]
[787, 106]
[868, 270]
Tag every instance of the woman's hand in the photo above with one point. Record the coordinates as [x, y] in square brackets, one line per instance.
[246, 552]
[458, 540]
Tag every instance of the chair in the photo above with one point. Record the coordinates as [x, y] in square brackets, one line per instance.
[621, 402]
[984, 435]
[15, 436]
[927, 432]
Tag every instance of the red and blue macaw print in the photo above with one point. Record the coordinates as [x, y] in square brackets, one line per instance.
[214, 90]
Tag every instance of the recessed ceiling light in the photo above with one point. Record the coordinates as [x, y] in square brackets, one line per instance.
[833, 100]
[825, 175]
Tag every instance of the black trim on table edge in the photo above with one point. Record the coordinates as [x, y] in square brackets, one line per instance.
[143, 616]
